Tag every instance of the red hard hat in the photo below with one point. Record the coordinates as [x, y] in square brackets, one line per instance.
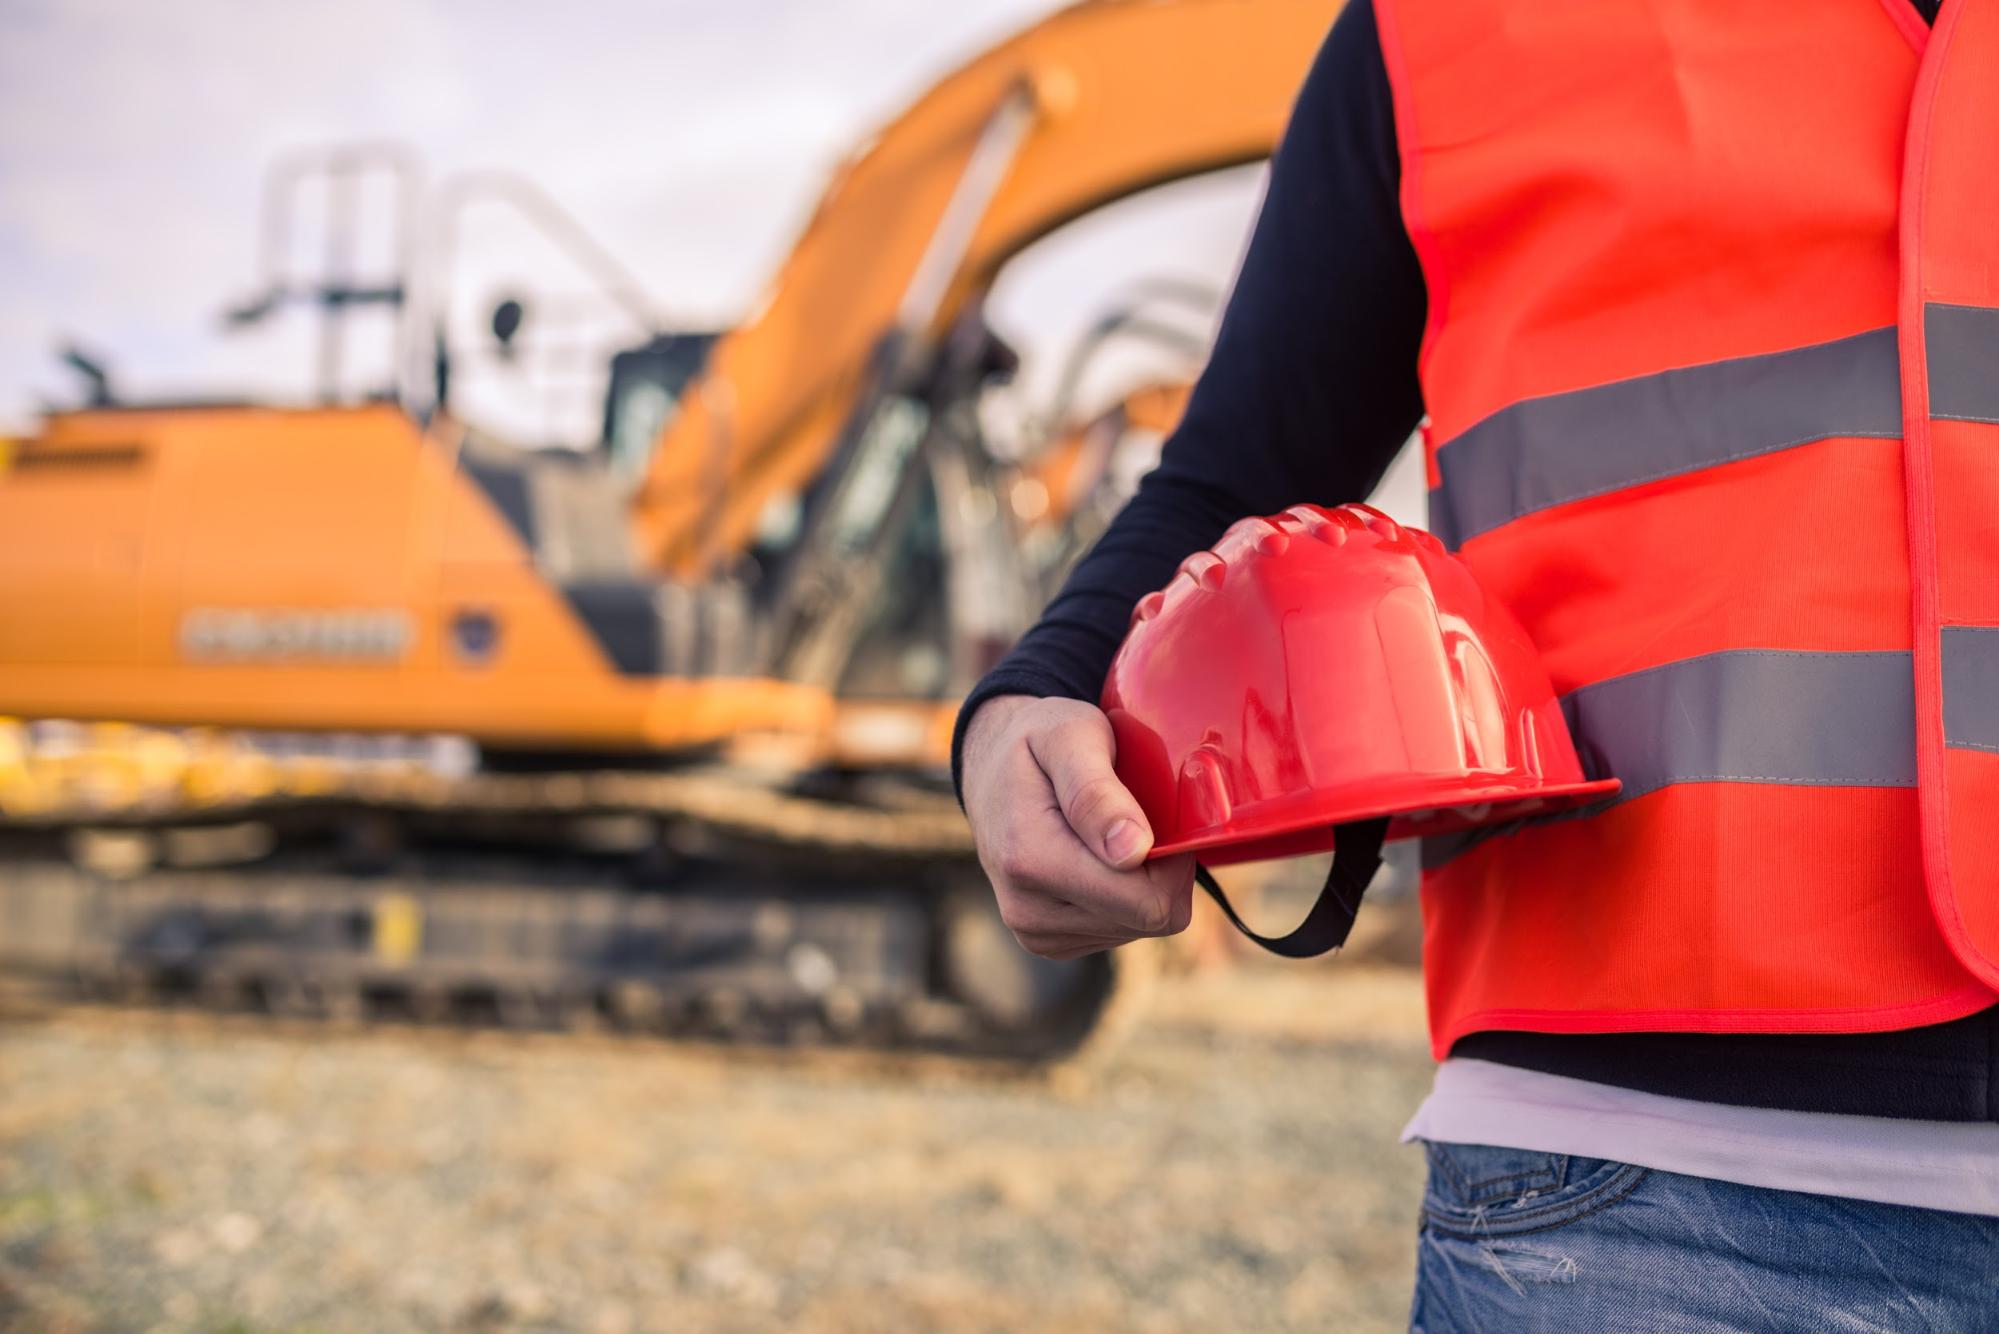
[1325, 667]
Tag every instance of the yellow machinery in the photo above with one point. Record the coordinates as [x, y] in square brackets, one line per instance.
[705, 675]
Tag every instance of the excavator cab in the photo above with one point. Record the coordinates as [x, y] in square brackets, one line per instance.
[643, 397]
[568, 509]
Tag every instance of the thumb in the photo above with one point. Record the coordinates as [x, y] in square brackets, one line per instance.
[1076, 754]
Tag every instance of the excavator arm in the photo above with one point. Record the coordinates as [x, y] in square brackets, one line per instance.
[1099, 101]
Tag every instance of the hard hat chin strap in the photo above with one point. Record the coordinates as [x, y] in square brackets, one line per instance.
[1356, 857]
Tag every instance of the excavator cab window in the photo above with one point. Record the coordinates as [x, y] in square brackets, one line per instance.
[840, 513]
[901, 651]
[643, 397]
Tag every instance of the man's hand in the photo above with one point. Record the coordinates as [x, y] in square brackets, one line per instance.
[1062, 839]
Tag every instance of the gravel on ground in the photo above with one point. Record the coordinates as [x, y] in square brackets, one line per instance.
[1233, 1166]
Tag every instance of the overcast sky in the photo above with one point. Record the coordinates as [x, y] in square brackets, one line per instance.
[691, 139]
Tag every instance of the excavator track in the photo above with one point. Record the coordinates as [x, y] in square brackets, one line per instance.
[911, 823]
[691, 903]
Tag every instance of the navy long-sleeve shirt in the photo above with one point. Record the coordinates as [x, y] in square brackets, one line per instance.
[1310, 390]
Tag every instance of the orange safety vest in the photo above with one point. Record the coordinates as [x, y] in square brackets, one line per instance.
[1712, 369]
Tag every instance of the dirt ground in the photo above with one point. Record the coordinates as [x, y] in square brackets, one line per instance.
[1233, 1166]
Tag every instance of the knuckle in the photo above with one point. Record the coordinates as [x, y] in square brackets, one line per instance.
[1085, 727]
[1058, 713]
[1006, 854]
[1002, 864]
[1069, 730]
[1094, 799]
[1021, 916]
[1017, 864]
[1041, 946]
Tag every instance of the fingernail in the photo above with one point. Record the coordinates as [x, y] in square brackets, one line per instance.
[1122, 843]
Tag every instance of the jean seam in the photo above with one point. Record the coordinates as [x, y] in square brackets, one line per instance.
[1442, 1161]
[1527, 1178]
[1602, 1197]
[1555, 1173]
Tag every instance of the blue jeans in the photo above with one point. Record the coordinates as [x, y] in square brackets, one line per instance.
[1514, 1240]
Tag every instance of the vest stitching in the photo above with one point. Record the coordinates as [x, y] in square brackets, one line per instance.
[1734, 653]
[1774, 778]
[1740, 653]
[1938, 801]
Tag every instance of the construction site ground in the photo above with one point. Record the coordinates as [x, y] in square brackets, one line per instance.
[1233, 1165]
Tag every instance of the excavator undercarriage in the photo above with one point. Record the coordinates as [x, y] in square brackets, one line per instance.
[688, 902]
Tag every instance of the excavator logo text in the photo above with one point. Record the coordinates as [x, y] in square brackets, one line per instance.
[364, 634]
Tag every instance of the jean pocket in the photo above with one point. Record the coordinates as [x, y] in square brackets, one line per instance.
[1479, 1191]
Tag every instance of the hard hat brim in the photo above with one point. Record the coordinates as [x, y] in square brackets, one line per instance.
[1297, 833]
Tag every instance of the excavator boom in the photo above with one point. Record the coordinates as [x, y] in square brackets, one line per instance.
[1122, 95]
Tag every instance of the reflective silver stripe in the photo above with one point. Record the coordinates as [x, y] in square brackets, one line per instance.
[1748, 716]
[1971, 687]
[1549, 451]
[1752, 716]
[1963, 352]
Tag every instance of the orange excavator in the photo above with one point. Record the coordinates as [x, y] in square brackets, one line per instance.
[403, 719]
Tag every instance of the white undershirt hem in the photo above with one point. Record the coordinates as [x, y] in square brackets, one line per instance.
[1927, 1164]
